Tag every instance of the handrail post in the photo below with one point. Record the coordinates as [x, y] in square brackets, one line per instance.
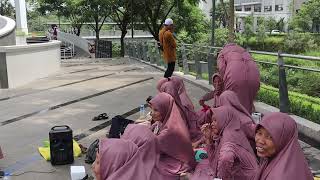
[284, 103]
[210, 64]
[184, 60]
[197, 64]
[158, 55]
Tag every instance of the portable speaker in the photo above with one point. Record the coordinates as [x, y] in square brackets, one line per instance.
[61, 145]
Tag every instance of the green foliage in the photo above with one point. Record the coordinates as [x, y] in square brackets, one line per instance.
[271, 24]
[116, 50]
[307, 17]
[190, 20]
[221, 13]
[221, 36]
[6, 9]
[297, 43]
[261, 33]
[300, 104]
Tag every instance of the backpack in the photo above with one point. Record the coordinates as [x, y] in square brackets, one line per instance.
[91, 152]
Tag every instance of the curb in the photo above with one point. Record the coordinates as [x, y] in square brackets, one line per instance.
[308, 129]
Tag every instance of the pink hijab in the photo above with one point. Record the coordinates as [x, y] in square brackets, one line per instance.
[240, 74]
[289, 161]
[120, 159]
[178, 83]
[229, 98]
[146, 141]
[173, 139]
[187, 114]
[185, 99]
[229, 132]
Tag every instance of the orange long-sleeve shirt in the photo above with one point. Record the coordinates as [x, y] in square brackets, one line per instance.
[169, 45]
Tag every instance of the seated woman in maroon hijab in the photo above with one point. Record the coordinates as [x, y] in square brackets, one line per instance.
[217, 83]
[248, 126]
[174, 144]
[279, 149]
[230, 154]
[118, 159]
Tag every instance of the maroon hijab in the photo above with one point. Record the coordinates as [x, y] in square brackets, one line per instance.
[289, 161]
[185, 99]
[189, 115]
[229, 132]
[119, 160]
[240, 74]
[146, 141]
[173, 139]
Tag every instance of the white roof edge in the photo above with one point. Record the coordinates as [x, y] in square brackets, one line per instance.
[9, 27]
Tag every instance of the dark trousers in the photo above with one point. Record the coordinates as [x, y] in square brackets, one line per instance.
[118, 125]
[169, 70]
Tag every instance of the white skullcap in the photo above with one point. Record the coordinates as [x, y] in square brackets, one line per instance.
[168, 22]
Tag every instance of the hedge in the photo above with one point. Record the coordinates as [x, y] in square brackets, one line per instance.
[302, 105]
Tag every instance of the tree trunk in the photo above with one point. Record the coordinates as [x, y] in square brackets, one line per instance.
[79, 26]
[78, 31]
[231, 35]
[123, 35]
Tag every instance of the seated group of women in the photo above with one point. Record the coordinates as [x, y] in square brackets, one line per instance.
[237, 148]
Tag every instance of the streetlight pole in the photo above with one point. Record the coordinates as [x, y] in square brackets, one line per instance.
[132, 19]
[213, 21]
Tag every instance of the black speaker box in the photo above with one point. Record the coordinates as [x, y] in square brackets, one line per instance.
[61, 145]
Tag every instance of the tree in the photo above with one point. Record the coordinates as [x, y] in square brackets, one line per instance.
[121, 14]
[6, 9]
[248, 28]
[271, 24]
[308, 17]
[280, 25]
[96, 11]
[231, 35]
[74, 7]
[154, 12]
[190, 20]
[261, 33]
[53, 6]
[222, 14]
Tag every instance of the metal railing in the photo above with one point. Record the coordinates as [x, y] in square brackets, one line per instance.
[202, 57]
[67, 50]
[77, 41]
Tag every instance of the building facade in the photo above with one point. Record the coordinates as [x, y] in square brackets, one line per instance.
[276, 9]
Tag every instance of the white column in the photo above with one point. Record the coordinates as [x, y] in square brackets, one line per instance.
[21, 16]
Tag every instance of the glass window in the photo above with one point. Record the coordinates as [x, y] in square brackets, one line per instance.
[247, 8]
[267, 8]
[257, 8]
[238, 8]
[279, 7]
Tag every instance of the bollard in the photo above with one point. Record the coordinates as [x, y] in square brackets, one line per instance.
[284, 103]
[184, 60]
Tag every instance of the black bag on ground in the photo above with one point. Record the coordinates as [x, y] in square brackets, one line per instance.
[118, 125]
[91, 152]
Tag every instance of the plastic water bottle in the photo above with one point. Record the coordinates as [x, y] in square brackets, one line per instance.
[142, 111]
[6, 176]
[256, 117]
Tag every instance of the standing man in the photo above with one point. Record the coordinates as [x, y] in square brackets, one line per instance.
[168, 46]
